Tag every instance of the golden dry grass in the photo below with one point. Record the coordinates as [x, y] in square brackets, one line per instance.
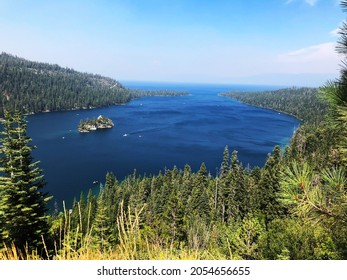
[132, 245]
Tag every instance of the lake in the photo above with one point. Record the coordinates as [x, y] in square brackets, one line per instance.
[154, 133]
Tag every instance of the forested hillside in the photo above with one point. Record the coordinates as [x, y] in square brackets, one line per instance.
[303, 103]
[32, 87]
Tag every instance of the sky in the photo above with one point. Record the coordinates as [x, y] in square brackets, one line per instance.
[272, 42]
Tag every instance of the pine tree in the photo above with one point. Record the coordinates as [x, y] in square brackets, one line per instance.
[335, 93]
[110, 180]
[198, 201]
[269, 186]
[187, 185]
[254, 190]
[237, 200]
[223, 190]
[104, 236]
[90, 210]
[173, 217]
[22, 204]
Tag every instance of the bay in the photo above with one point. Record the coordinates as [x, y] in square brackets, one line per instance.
[154, 133]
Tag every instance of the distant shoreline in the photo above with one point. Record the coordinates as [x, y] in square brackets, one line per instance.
[262, 107]
[105, 106]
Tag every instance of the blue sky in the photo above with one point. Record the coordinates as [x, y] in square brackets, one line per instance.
[276, 42]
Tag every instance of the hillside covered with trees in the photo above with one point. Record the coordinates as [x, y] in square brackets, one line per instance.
[303, 103]
[33, 87]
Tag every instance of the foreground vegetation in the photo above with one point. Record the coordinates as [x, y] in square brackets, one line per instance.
[294, 207]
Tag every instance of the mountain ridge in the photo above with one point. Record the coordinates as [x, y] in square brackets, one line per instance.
[33, 87]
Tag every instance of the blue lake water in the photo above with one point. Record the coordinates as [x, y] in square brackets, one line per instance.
[154, 133]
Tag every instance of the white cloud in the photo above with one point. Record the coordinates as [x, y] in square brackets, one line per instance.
[311, 2]
[311, 51]
[335, 32]
[321, 58]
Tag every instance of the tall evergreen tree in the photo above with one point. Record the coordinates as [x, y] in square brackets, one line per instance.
[335, 93]
[269, 186]
[22, 204]
[198, 202]
[104, 235]
[173, 217]
[237, 201]
[223, 189]
[90, 210]
[186, 186]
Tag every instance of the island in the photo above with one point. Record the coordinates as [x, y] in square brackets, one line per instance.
[100, 122]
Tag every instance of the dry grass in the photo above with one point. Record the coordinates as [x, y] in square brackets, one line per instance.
[132, 244]
[12, 253]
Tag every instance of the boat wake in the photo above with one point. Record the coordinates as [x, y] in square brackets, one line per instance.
[147, 130]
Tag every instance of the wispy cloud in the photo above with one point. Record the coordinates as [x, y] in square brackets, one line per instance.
[315, 59]
[309, 2]
[335, 32]
[309, 53]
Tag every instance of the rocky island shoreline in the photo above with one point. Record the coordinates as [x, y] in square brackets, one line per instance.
[100, 122]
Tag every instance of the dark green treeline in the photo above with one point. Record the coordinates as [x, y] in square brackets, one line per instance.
[303, 103]
[32, 87]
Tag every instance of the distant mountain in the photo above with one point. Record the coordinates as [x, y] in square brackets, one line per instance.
[35, 87]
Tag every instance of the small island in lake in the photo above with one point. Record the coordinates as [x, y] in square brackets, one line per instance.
[100, 122]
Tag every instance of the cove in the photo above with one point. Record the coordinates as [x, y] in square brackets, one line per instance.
[154, 133]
